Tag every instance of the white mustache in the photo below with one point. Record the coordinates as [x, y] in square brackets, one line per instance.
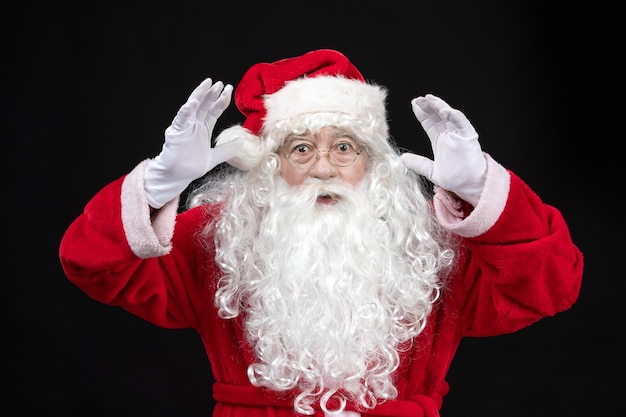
[306, 194]
[312, 190]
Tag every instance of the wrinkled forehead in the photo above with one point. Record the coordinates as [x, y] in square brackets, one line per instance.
[326, 133]
[316, 126]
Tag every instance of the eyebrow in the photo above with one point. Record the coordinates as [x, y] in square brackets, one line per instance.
[336, 133]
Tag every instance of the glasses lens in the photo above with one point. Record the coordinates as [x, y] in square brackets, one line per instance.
[343, 154]
[303, 155]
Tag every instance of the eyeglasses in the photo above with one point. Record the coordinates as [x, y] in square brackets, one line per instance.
[305, 155]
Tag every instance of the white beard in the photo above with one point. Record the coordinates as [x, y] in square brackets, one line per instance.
[331, 298]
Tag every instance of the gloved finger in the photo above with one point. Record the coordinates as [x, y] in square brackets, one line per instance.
[418, 105]
[201, 89]
[225, 151]
[425, 114]
[428, 116]
[184, 114]
[207, 101]
[424, 111]
[418, 163]
[454, 119]
[461, 123]
[221, 103]
[189, 108]
[436, 103]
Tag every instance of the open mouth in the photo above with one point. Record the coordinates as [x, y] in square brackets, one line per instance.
[327, 198]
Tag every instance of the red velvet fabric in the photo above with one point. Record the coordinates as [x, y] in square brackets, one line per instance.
[523, 269]
[267, 78]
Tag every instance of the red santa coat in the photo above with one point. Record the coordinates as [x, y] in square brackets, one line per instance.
[517, 265]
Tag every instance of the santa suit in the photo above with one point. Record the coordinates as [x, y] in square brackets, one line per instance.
[517, 264]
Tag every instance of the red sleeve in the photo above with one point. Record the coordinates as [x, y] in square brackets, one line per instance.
[522, 269]
[95, 255]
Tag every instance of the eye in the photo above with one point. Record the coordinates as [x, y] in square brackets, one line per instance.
[343, 147]
[302, 148]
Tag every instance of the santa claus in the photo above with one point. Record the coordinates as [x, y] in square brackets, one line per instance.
[322, 274]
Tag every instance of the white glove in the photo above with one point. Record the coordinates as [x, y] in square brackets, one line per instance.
[187, 153]
[459, 165]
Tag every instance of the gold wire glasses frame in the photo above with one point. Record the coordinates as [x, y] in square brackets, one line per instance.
[305, 155]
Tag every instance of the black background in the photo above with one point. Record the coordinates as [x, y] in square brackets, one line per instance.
[90, 88]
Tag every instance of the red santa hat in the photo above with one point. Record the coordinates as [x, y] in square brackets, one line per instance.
[320, 82]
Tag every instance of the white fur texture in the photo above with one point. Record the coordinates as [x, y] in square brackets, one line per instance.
[309, 102]
[325, 94]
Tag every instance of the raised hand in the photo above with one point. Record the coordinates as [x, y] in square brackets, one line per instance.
[458, 163]
[187, 153]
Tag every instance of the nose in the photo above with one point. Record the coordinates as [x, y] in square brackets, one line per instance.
[323, 169]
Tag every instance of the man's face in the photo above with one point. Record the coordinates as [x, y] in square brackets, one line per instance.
[339, 157]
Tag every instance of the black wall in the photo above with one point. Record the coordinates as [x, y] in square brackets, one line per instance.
[89, 90]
